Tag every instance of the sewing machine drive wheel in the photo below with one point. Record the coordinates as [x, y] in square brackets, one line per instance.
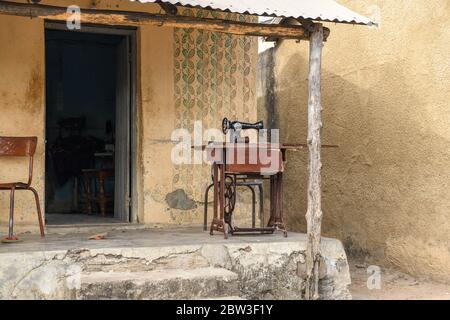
[225, 125]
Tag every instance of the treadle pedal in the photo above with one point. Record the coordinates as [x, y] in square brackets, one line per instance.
[267, 230]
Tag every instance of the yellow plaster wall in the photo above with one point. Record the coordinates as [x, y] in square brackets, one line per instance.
[22, 106]
[386, 100]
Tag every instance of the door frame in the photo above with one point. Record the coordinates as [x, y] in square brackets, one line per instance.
[131, 34]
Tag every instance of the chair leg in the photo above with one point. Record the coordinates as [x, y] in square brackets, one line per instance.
[253, 207]
[38, 208]
[101, 196]
[11, 214]
[205, 208]
[261, 205]
[88, 194]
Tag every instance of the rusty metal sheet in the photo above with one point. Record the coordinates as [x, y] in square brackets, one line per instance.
[319, 10]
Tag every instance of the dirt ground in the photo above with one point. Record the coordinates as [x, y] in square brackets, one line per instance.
[395, 285]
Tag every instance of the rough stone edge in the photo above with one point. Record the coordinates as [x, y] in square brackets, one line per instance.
[63, 265]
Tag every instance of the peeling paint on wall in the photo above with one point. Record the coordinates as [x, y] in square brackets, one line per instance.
[180, 200]
[33, 93]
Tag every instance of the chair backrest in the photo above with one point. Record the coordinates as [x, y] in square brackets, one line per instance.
[18, 146]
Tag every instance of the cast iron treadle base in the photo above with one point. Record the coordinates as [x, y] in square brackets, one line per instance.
[266, 230]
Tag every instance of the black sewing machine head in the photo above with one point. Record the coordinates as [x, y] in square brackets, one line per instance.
[237, 126]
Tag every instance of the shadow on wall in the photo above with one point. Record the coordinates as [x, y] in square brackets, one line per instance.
[386, 184]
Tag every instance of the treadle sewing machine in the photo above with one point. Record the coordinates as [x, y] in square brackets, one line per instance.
[241, 160]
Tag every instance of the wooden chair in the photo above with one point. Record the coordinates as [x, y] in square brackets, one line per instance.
[97, 195]
[20, 147]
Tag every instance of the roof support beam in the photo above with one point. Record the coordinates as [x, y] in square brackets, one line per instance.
[305, 23]
[129, 18]
[314, 211]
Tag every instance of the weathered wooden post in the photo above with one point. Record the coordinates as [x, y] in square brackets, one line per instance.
[314, 212]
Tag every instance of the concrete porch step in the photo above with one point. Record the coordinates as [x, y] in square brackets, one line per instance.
[160, 284]
[230, 298]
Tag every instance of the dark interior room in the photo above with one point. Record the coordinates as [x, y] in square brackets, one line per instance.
[80, 124]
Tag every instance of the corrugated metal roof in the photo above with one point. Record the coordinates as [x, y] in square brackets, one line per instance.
[320, 10]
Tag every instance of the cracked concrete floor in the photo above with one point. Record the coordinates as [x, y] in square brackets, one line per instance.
[134, 236]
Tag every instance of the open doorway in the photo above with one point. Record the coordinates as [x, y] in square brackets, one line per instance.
[89, 99]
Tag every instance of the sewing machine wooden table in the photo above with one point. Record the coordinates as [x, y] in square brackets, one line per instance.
[255, 161]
